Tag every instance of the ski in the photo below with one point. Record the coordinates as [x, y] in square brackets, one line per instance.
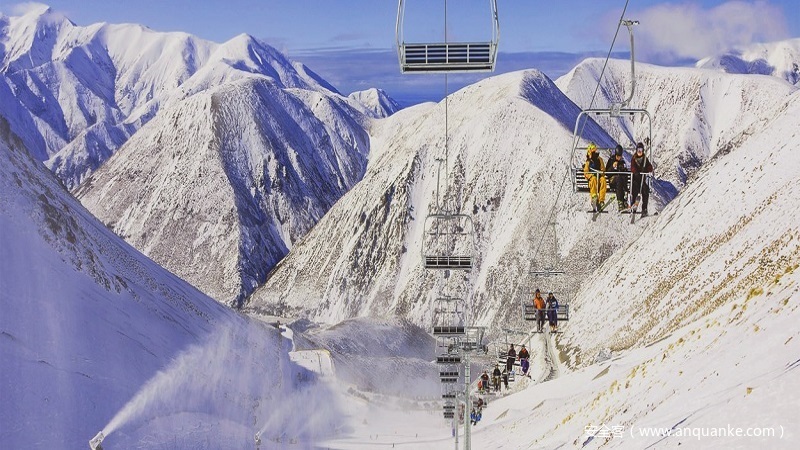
[602, 209]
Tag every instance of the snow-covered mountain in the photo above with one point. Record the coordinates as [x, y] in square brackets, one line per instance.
[689, 332]
[218, 187]
[272, 143]
[696, 113]
[779, 59]
[507, 161]
[88, 89]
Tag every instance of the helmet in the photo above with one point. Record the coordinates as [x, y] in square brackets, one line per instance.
[591, 148]
[619, 151]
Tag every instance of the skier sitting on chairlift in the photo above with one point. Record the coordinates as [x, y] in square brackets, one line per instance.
[539, 304]
[512, 356]
[552, 312]
[524, 364]
[616, 163]
[483, 384]
[640, 164]
[593, 171]
[475, 415]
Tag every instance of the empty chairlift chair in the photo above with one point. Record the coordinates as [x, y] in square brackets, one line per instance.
[448, 374]
[448, 349]
[448, 242]
[438, 57]
[448, 317]
[472, 341]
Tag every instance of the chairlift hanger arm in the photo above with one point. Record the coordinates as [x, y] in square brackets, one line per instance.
[630, 24]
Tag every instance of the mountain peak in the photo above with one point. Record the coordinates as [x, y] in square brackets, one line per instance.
[39, 13]
[378, 103]
[33, 9]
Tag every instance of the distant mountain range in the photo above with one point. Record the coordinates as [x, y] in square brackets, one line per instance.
[272, 143]
[779, 59]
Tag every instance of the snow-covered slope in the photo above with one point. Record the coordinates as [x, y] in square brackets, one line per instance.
[700, 315]
[731, 234]
[218, 187]
[696, 113]
[780, 59]
[95, 336]
[507, 162]
[385, 356]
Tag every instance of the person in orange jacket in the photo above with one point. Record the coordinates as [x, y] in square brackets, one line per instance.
[539, 304]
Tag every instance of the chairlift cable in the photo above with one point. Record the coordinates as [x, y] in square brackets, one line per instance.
[591, 104]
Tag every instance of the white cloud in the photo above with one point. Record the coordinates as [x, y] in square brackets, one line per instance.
[673, 31]
[20, 9]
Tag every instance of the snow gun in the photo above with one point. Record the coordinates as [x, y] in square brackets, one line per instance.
[94, 444]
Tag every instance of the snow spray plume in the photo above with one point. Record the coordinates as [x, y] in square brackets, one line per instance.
[224, 375]
[320, 416]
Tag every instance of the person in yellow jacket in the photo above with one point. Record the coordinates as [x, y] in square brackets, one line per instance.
[594, 172]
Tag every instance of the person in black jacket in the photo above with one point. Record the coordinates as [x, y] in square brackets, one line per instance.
[512, 356]
[484, 386]
[640, 165]
[618, 181]
[552, 312]
[496, 378]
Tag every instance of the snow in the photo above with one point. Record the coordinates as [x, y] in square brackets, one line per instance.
[682, 325]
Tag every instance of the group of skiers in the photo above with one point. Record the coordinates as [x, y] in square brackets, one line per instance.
[546, 309]
[594, 171]
[483, 383]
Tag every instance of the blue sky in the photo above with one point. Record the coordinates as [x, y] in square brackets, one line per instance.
[351, 42]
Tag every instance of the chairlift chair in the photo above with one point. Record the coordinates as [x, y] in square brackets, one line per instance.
[448, 242]
[443, 57]
[529, 309]
[449, 374]
[580, 145]
[448, 349]
[616, 110]
[472, 341]
[448, 317]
